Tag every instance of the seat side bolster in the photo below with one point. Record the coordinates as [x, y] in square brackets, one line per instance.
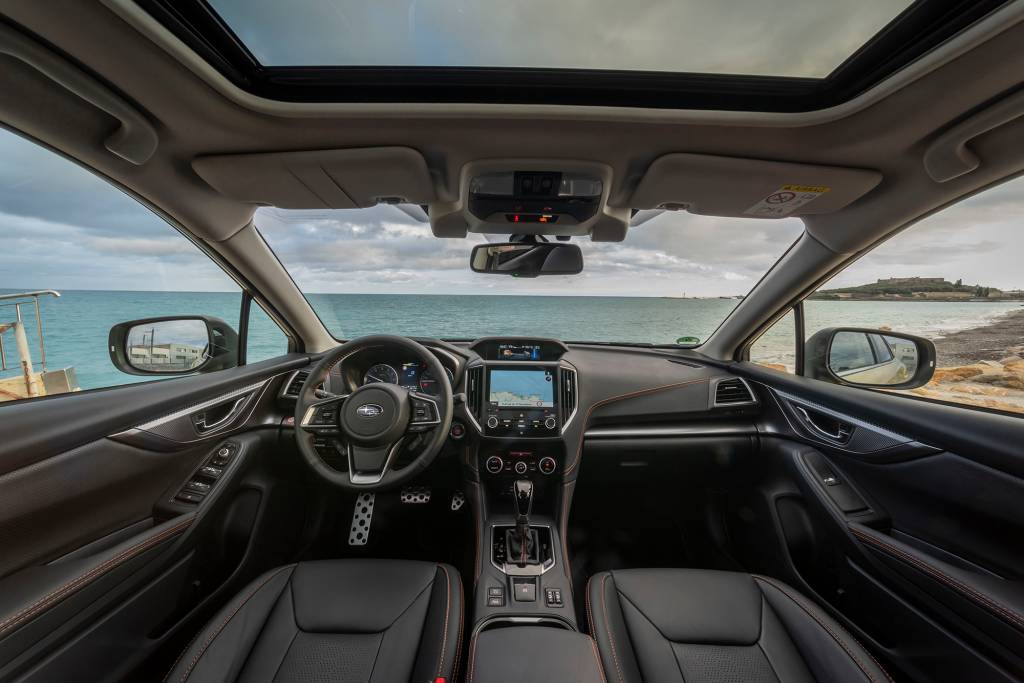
[829, 651]
[441, 638]
[608, 628]
[220, 650]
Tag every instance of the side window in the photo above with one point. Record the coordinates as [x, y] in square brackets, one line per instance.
[80, 257]
[776, 347]
[264, 338]
[954, 279]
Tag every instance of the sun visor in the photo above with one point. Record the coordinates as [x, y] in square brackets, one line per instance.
[749, 188]
[322, 179]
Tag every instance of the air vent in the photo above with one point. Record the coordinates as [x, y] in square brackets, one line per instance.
[475, 391]
[567, 390]
[733, 392]
[294, 387]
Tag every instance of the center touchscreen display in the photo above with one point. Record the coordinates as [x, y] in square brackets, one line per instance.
[522, 389]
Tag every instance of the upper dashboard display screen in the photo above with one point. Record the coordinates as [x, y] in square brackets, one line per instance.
[522, 388]
[519, 352]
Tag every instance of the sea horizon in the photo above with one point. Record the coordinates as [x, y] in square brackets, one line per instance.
[76, 326]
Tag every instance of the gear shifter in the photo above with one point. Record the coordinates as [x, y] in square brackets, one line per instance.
[522, 545]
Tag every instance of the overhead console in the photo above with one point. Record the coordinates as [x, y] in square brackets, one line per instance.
[532, 197]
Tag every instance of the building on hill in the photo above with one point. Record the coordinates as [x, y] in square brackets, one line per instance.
[912, 281]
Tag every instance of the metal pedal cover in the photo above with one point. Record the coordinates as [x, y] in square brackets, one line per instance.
[416, 494]
[458, 500]
[362, 515]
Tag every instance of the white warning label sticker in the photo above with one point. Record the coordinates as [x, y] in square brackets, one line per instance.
[786, 200]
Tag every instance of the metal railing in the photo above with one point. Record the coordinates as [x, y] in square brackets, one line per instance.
[16, 301]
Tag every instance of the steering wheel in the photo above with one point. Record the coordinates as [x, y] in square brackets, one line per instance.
[374, 421]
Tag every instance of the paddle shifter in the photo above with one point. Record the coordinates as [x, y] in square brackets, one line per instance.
[522, 542]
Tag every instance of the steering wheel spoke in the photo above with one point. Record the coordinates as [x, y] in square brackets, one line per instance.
[368, 465]
[321, 417]
[425, 414]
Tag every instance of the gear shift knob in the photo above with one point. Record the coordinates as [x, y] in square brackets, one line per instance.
[523, 490]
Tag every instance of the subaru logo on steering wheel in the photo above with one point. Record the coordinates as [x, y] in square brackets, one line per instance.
[369, 410]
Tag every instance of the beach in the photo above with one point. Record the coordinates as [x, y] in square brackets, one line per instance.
[981, 366]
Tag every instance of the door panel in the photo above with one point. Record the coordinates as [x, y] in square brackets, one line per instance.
[89, 520]
[922, 507]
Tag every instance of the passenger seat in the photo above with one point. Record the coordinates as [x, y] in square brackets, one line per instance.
[697, 626]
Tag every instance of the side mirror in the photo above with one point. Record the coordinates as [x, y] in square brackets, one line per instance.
[173, 345]
[528, 259]
[869, 358]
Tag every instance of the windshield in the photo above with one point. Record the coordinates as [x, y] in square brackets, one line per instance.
[673, 279]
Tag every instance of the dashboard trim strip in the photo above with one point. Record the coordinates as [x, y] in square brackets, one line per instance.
[659, 431]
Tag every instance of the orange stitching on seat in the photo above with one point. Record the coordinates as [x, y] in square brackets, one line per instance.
[622, 397]
[213, 636]
[458, 642]
[83, 580]
[835, 637]
[590, 614]
[608, 628]
[600, 664]
[960, 587]
[472, 659]
[447, 608]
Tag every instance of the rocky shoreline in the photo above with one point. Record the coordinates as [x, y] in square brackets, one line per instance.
[981, 366]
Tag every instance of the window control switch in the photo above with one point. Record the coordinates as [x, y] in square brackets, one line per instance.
[198, 486]
[189, 497]
[211, 472]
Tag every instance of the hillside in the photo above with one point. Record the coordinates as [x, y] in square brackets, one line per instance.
[911, 288]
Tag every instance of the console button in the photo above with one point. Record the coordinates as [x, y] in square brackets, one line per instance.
[457, 431]
[550, 423]
[524, 590]
[494, 464]
[553, 597]
[547, 465]
[492, 422]
[496, 602]
[521, 467]
[498, 591]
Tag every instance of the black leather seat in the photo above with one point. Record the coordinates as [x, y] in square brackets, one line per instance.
[660, 625]
[338, 620]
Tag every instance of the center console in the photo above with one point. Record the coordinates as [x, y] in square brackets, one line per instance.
[522, 394]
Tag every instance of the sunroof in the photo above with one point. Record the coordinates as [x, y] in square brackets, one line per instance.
[792, 38]
[740, 55]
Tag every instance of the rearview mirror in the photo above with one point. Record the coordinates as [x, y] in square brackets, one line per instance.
[869, 358]
[173, 345]
[527, 259]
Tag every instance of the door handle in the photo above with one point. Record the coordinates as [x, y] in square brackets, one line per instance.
[829, 427]
[218, 416]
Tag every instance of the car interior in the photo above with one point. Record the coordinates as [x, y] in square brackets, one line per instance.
[506, 507]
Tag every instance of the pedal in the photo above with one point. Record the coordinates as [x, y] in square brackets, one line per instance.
[458, 500]
[362, 515]
[415, 494]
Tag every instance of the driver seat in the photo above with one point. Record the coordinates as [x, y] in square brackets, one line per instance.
[334, 620]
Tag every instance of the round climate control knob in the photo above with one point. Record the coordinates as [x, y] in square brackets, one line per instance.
[520, 467]
[494, 464]
[550, 423]
[547, 465]
[492, 422]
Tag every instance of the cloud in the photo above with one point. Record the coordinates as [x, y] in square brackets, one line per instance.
[729, 36]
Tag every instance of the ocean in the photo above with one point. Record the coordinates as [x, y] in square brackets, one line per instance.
[76, 326]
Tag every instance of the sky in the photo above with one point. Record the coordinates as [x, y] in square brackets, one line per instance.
[725, 36]
[63, 228]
